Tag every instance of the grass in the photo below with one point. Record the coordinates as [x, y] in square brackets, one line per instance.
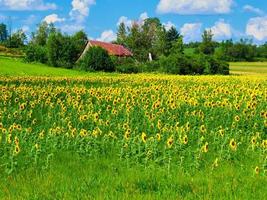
[249, 68]
[73, 177]
[16, 67]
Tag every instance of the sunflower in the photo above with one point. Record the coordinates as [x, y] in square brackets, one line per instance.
[170, 142]
[185, 139]
[127, 134]
[215, 163]
[233, 144]
[253, 140]
[221, 132]
[257, 170]
[264, 143]
[205, 148]
[202, 129]
[144, 137]
[17, 150]
[158, 136]
[237, 118]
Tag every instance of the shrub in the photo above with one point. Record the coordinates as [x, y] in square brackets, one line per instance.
[175, 64]
[131, 68]
[36, 53]
[217, 66]
[96, 59]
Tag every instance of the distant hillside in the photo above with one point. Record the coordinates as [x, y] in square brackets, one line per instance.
[4, 51]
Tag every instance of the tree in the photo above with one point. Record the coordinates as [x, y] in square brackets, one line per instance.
[17, 39]
[80, 40]
[178, 46]
[40, 37]
[207, 46]
[3, 33]
[121, 34]
[172, 36]
[54, 48]
[64, 50]
[96, 59]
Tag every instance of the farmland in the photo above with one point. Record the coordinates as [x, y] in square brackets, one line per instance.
[75, 135]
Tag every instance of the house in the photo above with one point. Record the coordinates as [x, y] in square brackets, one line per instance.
[112, 49]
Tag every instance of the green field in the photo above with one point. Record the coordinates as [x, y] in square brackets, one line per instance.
[249, 68]
[67, 134]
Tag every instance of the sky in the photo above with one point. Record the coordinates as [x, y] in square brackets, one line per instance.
[100, 18]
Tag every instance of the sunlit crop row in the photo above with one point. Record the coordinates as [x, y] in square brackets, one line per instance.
[192, 122]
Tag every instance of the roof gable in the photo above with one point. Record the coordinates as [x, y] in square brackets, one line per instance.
[112, 49]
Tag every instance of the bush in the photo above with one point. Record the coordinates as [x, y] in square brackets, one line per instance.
[131, 68]
[62, 50]
[96, 59]
[175, 64]
[217, 66]
[36, 53]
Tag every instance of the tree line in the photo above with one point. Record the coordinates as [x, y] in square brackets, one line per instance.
[154, 49]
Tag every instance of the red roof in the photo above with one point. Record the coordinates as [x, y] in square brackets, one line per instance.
[113, 49]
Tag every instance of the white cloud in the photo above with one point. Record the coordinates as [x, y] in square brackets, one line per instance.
[80, 9]
[125, 20]
[107, 36]
[191, 32]
[257, 27]
[185, 7]
[71, 28]
[168, 25]
[53, 19]
[143, 16]
[25, 28]
[26, 5]
[129, 22]
[221, 30]
[250, 8]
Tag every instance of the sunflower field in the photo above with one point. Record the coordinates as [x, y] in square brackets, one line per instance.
[191, 122]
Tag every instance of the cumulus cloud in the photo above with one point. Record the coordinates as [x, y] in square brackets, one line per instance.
[107, 36]
[185, 7]
[257, 28]
[53, 19]
[71, 28]
[249, 8]
[26, 5]
[168, 25]
[191, 32]
[221, 30]
[129, 22]
[80, 9]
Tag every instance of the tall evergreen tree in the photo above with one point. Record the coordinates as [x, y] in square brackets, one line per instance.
[3, 32]
[172, 36]
[121, 34]
[208, 45]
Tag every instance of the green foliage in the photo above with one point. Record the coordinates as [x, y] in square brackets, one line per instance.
[216, 66]
[17, 39]
[130, 68]
[36, 53]
[44, 30]
[243, 50]
[207, 46]
[3, 33]
[96, 59]
[63, 50]
[122, 34]
[172, 36]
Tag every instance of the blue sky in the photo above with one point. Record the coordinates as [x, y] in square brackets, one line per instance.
[99, 18]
